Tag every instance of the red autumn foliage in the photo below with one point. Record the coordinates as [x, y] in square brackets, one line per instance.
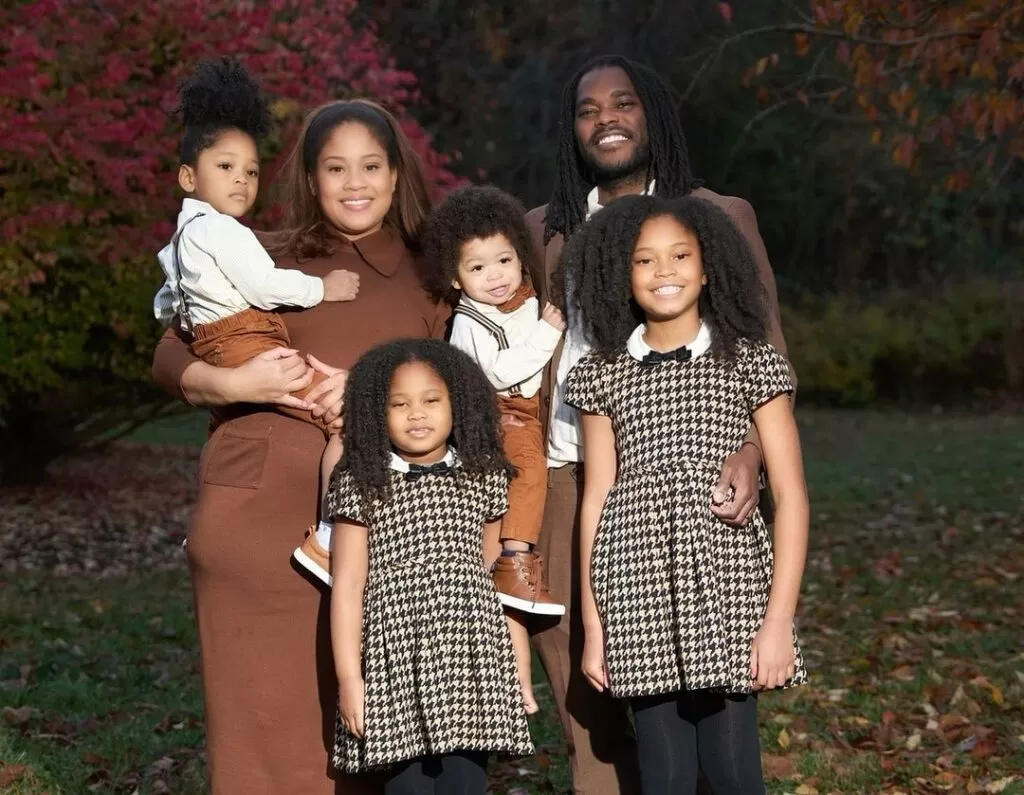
[88, 144]
[942, 81]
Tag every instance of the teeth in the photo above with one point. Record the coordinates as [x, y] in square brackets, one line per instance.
[612, 139]
[668, 289]
[356, 202]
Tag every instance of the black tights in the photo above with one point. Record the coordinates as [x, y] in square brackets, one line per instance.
[679, 734]
[460, 773]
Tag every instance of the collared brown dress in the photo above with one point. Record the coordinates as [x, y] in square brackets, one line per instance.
[268, 677]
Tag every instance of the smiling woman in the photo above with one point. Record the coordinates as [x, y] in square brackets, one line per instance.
[354, 180]
[357, 198]
[353, 173]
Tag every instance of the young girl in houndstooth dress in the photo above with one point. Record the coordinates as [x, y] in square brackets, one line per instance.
[427, 677]
[686, 617]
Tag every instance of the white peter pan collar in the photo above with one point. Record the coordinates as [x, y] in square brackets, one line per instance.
[399, 464]
[638, 349]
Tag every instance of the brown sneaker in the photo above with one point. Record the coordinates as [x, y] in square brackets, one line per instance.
[519, 580]
[314, 558]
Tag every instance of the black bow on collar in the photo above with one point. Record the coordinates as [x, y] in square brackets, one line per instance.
[678, 355]
[416, 471]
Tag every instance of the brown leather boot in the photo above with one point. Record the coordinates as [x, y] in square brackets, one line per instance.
[519, 580]
[314, 558]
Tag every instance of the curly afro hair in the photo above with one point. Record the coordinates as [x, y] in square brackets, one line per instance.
[467, 213]
[594, 273]
[219, 95]
[476, 432]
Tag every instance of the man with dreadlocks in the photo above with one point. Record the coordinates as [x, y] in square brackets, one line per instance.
[620, 134]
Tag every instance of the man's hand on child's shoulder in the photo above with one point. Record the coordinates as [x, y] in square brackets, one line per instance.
[552, 315]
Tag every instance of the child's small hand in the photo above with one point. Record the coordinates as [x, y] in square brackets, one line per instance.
[350, 704]
[341, 285]
[552, 315]
[772, 662]
[593, 659]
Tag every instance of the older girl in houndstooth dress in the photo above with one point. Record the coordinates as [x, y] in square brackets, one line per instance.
[427, 677]
[685, 616]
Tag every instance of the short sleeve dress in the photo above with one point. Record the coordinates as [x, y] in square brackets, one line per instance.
[438, 664]
[681, 594]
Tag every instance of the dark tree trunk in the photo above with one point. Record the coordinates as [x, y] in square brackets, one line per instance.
[29, 440]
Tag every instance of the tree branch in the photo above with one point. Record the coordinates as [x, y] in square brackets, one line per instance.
[757, 119]
[832, 33]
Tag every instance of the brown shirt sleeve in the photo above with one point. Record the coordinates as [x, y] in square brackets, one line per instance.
[439, 324]
[536, 265]
[170, 359]
[745, 219]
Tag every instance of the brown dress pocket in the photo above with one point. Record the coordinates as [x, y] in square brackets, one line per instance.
[237, 458]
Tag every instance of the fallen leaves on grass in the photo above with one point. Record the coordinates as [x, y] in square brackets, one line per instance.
[19, 717]
[104, 513]
[777, 766]
[13, 774]
[909, 621]
[911, 637]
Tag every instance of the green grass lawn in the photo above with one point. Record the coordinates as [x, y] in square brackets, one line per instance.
[911, 624]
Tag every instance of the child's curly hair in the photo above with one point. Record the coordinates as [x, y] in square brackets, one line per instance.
[594, 274]
[219, 95]
[476, 432]
[474, 211]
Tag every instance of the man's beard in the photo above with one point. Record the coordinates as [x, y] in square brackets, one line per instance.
[633, 168]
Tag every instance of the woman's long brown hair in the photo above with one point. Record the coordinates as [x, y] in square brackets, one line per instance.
[307, 233]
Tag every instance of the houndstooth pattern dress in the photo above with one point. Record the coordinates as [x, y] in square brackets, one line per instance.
[438, 665]
[680, 593]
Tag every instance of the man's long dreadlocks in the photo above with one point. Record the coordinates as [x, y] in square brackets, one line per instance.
[669, 163]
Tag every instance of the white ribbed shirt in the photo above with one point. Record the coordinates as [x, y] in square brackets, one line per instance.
[565, 438]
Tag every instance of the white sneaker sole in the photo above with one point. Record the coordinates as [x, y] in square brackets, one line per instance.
[537, 608]
[312, 567]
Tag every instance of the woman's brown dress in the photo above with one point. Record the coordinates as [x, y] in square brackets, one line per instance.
[268, 677]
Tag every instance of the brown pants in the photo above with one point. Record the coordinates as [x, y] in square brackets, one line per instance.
[234, 340]
[524, 447]
[602, 750]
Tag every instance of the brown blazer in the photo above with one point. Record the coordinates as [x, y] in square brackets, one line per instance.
[739, 210]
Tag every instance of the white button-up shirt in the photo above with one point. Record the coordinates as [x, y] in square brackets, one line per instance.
[225, 270]
[565, 439]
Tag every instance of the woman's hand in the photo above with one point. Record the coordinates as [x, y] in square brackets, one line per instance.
[271, 377]
[772, 662]
[593, 659]
[351, 693]
[327, 396]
